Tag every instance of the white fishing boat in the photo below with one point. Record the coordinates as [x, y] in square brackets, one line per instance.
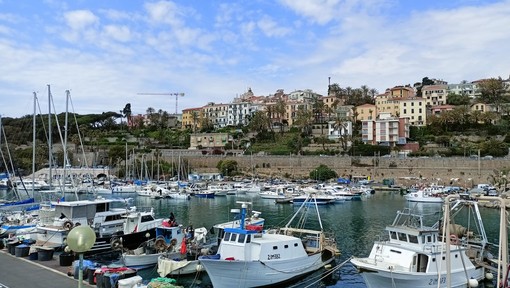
[110, 224]
[417, 255]
[152, 191]
[427, 194]
[253, 258]
[188, 263]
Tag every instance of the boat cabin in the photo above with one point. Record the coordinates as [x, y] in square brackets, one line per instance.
[82, 211]
[415, 247]
[253, 245]
[141, 221]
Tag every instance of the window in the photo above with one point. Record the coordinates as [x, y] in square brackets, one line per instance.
[295, 244]
[287, 246]
[241, 238]
[402, 237]
[413, 238]
[248, 239]
[227, 236]
[275, 247]
[233, 237]
[393, 235]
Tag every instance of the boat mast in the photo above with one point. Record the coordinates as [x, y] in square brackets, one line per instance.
[50, 151]
[33, 145]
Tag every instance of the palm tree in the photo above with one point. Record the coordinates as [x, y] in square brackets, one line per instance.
[279, 109]
[195, 119]
[318, 110]
[340, 125]
[304, 120]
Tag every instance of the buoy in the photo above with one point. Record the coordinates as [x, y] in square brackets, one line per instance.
[473, 283]
[200, 268]
[327, 266]
[489, 276]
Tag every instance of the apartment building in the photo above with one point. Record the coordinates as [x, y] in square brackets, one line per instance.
[385, 130]
[217, 114]
[366, 112]
[191, 118]
[434, 94]
[414, 109]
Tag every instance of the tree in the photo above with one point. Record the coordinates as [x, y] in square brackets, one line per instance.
[318, 111]
[227, 167]
[194, 118]
[280, 109]
[323, 173]
[492, 91]
[340, 125]
[127, 113]
[457, 99]
[304, 120]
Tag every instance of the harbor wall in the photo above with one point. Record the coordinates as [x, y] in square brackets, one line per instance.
[458, 171]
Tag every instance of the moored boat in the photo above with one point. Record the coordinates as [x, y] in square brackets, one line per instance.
[417, 255]
[268, 258]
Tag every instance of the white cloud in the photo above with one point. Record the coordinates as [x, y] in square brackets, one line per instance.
[166, 12]
[213, 55]
[270, 28]
[319, 11]
[5, 30]
[118, 33]
[80, 19]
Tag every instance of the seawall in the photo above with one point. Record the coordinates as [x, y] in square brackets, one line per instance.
[459, 171]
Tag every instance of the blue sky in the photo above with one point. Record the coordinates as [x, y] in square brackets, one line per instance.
[106, 52]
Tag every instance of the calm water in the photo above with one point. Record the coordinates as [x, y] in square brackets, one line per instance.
[356, 225]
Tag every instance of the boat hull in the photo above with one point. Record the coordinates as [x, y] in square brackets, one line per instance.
[142, 260]
[226, 273]
[381, 279]
[169, 267]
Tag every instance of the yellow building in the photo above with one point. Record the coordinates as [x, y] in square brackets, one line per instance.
[189, 120]
[414, 109]
[366, 112]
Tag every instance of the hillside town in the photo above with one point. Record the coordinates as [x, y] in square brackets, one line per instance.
[385, 118]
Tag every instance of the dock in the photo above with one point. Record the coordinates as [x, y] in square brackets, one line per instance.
[22, 272]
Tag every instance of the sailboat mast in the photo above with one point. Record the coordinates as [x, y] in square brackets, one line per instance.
[50, 150]
[33, 145]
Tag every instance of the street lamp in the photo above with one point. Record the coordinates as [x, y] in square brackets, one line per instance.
[80, 239]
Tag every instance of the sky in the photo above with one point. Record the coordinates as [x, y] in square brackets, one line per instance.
[106, 53]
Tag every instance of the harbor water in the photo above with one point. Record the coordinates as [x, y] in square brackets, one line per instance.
[356, 224]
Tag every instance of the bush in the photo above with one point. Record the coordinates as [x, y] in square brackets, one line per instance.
[322, 173]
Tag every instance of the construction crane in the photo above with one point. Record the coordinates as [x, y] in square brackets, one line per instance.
[168, 94]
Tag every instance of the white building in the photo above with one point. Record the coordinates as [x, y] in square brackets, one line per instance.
[217, 114]
[463, 88]
[240, 113]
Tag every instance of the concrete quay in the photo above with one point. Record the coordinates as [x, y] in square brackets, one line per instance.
[22, 272]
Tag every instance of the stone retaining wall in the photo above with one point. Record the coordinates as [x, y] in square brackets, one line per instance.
[463, 171]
